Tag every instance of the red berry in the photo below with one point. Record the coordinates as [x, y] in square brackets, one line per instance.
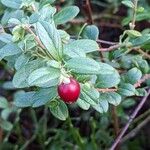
[69, 92]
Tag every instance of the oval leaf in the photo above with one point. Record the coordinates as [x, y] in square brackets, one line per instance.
[43, 75]
[60, 110]
[66, 14]
[83, 65]
[50, 38]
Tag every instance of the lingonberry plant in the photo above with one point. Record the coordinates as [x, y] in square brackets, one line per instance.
[51, 65]
[56, 61]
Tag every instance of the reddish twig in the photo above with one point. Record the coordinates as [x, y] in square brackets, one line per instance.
[133, 115]
[110, 48]
[2, 29]
[136, 85]
[88, 11]
[143, 79]
[107, 90]
[1, 135]
[106, 42]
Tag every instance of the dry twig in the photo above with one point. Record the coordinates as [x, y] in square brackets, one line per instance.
[133, 115]
[88, 11]
[136, 85]
[135, 131]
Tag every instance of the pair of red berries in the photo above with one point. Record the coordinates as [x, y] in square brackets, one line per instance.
[69, 92]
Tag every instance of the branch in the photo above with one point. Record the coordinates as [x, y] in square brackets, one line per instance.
[136, 85]
[146, 113]
[88, 11]
[110, 48]
[129, 121]
[106, 42]
[27, 28]
[1, 134]
[99, 41]
[107, 90]
[142, 52]
[134, 132]
[132, 24]
[2, 29]
[143, 79]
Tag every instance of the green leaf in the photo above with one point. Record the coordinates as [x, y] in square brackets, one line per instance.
[129, 61]
[18, 14]
[11, 60]
[42, 3]
[90, 32]
[65, 37]
[60, 110]
[141, 40]
[133, 75]
[133, 33]
[50, 37]
[79, 47]
[24, 99]
[8, 85]
[15, 4]
[21, 76]
[66, 14]
[141, 92]
[18, 33]
[3, 103]
[140, 9]
[6, 38]
[139, 17]
[127, 103]
[43, 96]
[112, 97]
[73, 51]
[126, 89]
[103, 106]
[106, 68]
[83, 65]
[54, 64]
[9, 50]
[46, 13]
[90, 95]
[21, 61]
[83, 104]
[29, 43]
[128, 3]
[43, 75]
[143, 66]
[14, 21]
[6, 125]
[5, 113]
[108, 77]
[143, 16]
